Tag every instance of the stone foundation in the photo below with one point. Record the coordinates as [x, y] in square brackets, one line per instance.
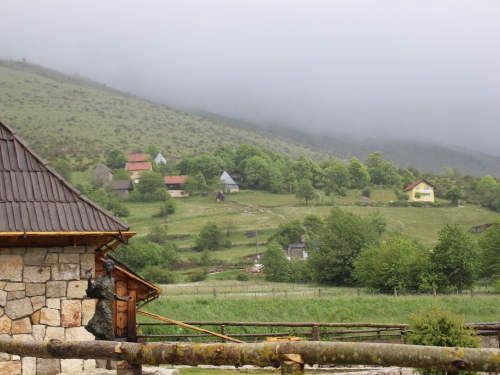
[42, 297]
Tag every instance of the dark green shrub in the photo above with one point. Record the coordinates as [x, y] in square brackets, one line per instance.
[160, 275]
[200, 275]
[416, 204]
[242, 277]
[440, 328]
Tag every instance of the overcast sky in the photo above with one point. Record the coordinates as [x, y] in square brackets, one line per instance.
[426, 70]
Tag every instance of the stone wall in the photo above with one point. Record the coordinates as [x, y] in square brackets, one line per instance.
[42, 297]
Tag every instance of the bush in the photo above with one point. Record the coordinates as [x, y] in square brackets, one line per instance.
[439, 328]
[366, 192]
[200, 275]
[242, 277]
[160, 275]
[416, 204]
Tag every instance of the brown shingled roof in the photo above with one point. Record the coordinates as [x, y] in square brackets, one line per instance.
[137, 158]
[35, 198]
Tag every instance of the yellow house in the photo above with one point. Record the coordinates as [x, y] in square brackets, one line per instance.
[423, 187]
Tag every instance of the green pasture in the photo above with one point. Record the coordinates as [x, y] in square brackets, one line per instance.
[264, 212]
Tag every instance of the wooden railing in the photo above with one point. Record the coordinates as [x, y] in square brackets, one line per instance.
[316, 332]
[291, 356]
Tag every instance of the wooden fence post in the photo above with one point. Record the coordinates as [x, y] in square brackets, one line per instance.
[273, 293]
[315, 333]
[223, 331]
[395, 292]
[319, 293]
[215, 292]
[435, 292]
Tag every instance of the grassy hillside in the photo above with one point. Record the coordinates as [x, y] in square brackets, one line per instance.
[264, 212]
[56, 114]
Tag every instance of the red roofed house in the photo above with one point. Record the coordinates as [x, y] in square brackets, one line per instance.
[423, 187]
[138, 168]
[174, 186]
[137, 158]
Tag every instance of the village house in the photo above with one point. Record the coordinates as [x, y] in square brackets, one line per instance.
[229, 184]
[101, 172]
[120, 188]
[137, 158]
[425, 190]
[297, 250]
[159, 159]
[50, 234]
[174, 186]
[137, 168]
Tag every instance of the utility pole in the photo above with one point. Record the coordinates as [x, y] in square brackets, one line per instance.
[256, 247]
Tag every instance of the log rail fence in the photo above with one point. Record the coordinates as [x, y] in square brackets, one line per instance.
[316, 332]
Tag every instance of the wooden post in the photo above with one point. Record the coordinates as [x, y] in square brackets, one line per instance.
[319, 293]
[131, 318]
[435, 292]
[395, 292]
[286, 294]
[223, 331]
[215, 292]
[273, 293]
[315, 333]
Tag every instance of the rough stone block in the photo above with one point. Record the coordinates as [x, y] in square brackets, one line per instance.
[13, 287]
[47, 366]
[5, 324]
[23, 337]
[29, 365]
[35, 317]
[18, 250]
[2, 285]
[3, 297]
[4, 357]
[16, 295]
[21, 326]
[66, 271]
[11, 267]
[71, 365]
[89, 364]
[51, 258]
[2, 311]
[51, 317]
[19, 308]
[36, 274]
[76, 289]
[38, 302]
[56, 289]
[78, 334]
[87, 262]
[74, 249]
[38, 332]
[35, 290]
[10, 367]
[54, 333]
[5, 251]
[71, 313]
[54, 303]
[88, 310]
[55, 249]
[69, 258]
[35, 256]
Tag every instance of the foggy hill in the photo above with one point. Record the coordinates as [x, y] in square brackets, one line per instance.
[75, 115]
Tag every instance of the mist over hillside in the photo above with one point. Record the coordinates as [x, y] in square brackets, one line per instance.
[73, 114]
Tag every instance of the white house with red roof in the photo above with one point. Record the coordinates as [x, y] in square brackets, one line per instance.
[137, 168]
[174, 186]
[425, 190]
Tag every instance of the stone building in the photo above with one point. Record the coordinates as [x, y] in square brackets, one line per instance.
[50, 234]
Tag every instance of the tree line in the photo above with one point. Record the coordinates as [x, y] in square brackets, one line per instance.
[345, 250]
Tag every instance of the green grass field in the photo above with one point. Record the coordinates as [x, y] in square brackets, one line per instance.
[264, 212]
